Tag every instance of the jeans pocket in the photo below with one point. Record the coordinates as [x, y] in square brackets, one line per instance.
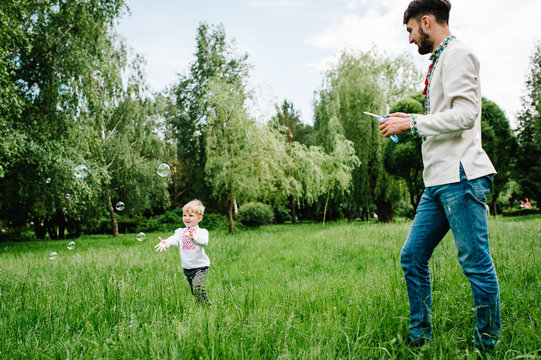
[481, 187]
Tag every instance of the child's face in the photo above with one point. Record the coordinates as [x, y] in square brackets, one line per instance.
[191, 219]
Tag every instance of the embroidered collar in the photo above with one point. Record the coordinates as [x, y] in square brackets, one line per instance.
[436, 54]
[434, 57]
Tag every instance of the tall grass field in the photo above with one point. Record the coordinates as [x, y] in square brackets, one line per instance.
[279, 292]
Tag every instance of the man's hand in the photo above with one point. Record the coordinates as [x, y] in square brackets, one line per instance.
[394, 124]
[161, 246]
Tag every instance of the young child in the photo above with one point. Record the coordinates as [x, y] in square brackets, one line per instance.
[191, 242]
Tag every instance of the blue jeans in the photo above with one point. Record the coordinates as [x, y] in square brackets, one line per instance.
[460, 207]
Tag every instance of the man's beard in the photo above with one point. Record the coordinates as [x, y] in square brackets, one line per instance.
[425, 45]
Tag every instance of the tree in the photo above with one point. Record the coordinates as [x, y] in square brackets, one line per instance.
[244, 159]
[364, 82]
[13, 36]
[100, 121]
[500, 144]
[214, 57]
[528, 159]
[61, 44]
[290, 118]
[287, 119]
[338, 165]
[404, 159]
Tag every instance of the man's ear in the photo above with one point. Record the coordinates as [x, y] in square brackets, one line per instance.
[426, 22]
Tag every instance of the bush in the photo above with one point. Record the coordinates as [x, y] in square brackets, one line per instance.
[255, 214]
[520, 212]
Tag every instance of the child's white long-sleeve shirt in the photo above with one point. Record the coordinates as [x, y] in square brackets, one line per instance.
[192, 252]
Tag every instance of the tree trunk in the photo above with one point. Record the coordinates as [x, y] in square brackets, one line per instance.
[39, 229]
[326, 203]
[349, 213]
[51, 229]
[61, 229]
[293, 209]
[385, 211]
[231, 204]
[114, 222]
[365, 216]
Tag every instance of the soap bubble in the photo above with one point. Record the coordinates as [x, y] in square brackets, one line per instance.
[80, 171]
[164, 170]
[48, 180]
[64, 210]
[71, 245]
[53, 255]
[63, 89]
[141, 236]
[97, 75]
[119, 206]
[68, 196]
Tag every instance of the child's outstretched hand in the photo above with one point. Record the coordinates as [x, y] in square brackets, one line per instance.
[161, 246]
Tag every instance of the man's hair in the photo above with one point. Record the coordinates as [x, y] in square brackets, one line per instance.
[195, 207]
[418, 8]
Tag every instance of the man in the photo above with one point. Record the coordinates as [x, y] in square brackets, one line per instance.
[457, 174]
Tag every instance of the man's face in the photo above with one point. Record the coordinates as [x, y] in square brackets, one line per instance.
[419, 37]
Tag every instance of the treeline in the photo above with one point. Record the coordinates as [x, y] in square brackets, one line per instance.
[72, 93]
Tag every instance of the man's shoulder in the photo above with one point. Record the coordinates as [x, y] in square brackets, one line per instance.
[458, 47]
[458, 52]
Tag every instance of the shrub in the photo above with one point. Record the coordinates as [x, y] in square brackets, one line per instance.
[255, 214]
[520, 212]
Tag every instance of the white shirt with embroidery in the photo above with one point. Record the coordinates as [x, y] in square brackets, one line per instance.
[192, 252]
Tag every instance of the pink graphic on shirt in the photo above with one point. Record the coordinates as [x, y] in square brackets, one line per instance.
[186, 243]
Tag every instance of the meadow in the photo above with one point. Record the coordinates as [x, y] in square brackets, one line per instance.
[279, 292]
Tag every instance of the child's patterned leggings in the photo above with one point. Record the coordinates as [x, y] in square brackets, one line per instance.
[196, 278]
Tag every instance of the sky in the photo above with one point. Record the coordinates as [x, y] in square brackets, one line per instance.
[292, 43]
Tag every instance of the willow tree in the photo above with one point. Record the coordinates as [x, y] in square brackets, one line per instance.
[215, 56]
[244, 159]
[364, 82]
[337, 166]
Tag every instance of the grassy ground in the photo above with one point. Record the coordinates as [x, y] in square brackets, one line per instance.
[280, 292]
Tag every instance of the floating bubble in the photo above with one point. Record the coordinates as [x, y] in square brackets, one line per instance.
[97, 75]
[68, 196]
[63, 89]
[80, 171]
[64, 210]
[141, 236]
[164, 170]
[3, 230]
[48, 180]
[53, 255]
[71, 245]
[119, 206]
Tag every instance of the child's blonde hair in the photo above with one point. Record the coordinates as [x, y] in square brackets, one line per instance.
[195, 207]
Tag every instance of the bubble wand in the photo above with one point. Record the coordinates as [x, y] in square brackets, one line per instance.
[394, 138]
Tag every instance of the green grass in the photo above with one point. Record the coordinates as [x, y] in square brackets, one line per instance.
[280, 292]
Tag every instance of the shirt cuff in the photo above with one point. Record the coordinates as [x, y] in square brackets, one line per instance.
[413, 126]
